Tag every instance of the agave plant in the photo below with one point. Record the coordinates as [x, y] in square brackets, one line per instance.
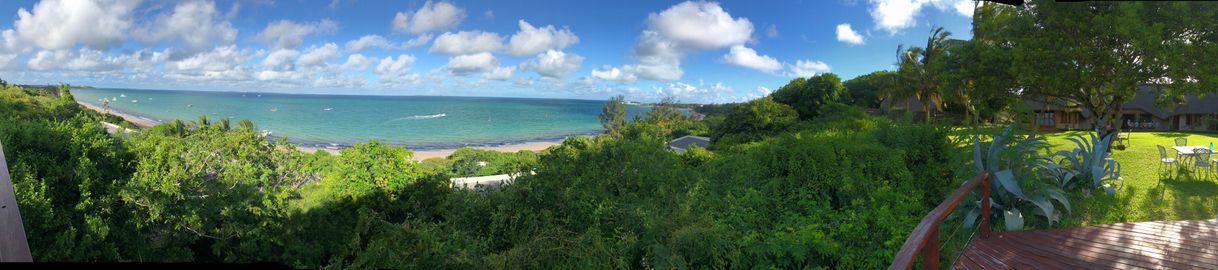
[1022, 178]
[1091, 166]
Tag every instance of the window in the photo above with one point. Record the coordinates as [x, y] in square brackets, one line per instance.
[1046, 119]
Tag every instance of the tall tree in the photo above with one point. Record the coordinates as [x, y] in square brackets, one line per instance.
[865, 90]
[1098, 53]
[920, 71]
[613, 114]
[807, 96]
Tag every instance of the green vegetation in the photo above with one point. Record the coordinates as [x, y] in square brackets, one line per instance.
[214, 192]
[803, 178]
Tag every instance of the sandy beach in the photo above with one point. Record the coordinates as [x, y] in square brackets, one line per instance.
[139, 122]
[421, 155]
[418, 154]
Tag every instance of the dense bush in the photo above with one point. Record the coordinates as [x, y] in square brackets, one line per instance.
[808, 96]
[477, 162]
[754, 120]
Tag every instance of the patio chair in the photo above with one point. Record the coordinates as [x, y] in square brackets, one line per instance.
[1165, 161]
[1201, 157]
[1181, 141]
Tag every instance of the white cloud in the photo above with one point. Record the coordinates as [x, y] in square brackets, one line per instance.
[9, 42]
[280, 59]
[847, 34]
[196, 23]
[499, 73]
[315, 56]
[431, 17]
[771, 31]
[679, 30]
[471, 63]
[416, 41]
[368, 41]
[8, 62]
[358, 61]
[612, 74]
[555, 64]
[895, 15]
[287, 34]
[747, 57]
[224, 59]
[84, 59]
[807, 68]
[392, 66]
[466, 42]
[61, 24]
[763, 90]
[701, 25]
[532, 40]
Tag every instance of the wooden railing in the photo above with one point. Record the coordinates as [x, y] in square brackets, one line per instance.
[924, 239]
[13, 246]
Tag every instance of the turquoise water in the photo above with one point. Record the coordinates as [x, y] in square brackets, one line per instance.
[420, 122]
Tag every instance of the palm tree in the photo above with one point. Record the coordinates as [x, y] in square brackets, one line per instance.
[920, 71]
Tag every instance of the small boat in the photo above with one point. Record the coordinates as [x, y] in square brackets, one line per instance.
[135, 100]
[327, 109]
[259, 95]
[189, 105]
[122, 95]
[275, 109]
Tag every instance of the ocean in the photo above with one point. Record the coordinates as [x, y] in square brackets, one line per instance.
[417, 122]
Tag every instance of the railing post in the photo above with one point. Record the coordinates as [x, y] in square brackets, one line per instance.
[930, 252]
[985, 205]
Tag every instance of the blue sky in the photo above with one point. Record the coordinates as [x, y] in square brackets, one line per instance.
[696, 51]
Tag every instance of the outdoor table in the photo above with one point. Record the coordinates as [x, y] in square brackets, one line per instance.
[1186, 152]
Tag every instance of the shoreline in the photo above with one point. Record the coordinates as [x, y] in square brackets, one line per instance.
[419, 155]
[137, 121]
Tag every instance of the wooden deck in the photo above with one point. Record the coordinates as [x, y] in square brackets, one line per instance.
[1141, 245]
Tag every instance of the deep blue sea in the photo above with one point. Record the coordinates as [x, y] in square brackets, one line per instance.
[419, 122]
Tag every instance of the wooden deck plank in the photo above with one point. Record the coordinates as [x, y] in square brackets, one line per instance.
[1140, 245]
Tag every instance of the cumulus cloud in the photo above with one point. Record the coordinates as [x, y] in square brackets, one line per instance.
[225, 58]
[895, 15]
[466, 42]
[61, 24]
[771, 31]
[701, 25]
[847, 34]
[358, 61]
[317, 56]
[471, 63]
[679, 30]
[287, 34]
[555, 64]
[807, 68]
[416, 41]
[395, 66]
[196, 23]
[84, 59]
[499, 73]
[532, 40]
[280, 59]
[431, 17]
[8, 62]
[612, 74]
[368, 41]
[747, 57]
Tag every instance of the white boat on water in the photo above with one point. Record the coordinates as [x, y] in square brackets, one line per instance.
[275, 109]
[327, 109]
[135, 100]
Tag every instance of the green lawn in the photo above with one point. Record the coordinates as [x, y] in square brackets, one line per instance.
[1147, 195]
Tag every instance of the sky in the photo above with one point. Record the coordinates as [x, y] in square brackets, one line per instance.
[695, 51]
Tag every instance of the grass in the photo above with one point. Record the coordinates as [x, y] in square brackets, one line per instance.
[1148, 195]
